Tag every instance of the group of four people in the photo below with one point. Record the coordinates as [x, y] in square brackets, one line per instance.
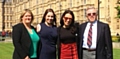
[89, 40]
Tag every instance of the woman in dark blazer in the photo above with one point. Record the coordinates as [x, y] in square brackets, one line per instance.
[25, 38]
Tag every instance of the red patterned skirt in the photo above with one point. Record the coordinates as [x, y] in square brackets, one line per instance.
[68, 51]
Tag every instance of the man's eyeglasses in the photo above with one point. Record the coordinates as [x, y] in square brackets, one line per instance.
[89, 14]
[67, 18]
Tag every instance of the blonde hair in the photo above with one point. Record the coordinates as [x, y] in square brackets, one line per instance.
[23, 13]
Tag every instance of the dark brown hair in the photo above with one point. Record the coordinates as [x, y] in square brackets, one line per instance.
[49, 10]
[66, 12]
[72, 27]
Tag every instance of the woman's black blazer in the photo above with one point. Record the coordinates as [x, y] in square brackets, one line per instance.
[22, 42]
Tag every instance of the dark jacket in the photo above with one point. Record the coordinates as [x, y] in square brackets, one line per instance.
[104, 42]
[22, 41]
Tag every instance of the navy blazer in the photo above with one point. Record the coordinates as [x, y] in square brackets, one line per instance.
[22, 42]
[104, 42]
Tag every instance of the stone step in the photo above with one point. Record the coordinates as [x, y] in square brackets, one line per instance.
[116, 45]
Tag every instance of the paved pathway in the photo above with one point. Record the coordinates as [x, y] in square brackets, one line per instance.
[7, 39]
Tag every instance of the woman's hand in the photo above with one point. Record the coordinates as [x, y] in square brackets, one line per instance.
[27, 57]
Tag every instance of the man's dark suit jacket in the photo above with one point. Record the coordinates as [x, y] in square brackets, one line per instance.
[22, 42]
[104, 42]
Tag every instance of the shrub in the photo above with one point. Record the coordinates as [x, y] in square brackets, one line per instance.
[116, 38]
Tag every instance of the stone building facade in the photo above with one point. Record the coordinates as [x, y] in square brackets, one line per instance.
[10, 11]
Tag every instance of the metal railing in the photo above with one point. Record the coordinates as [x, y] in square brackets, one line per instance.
[5, 38]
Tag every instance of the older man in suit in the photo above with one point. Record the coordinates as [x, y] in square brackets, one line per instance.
[95, 38]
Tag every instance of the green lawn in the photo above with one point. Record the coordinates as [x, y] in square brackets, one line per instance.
[116, 53]
[6, 50]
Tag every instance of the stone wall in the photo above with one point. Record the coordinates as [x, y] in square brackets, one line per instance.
[116, 45]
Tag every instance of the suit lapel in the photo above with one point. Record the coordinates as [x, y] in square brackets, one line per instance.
[83, 29]
[98, 30]
[26, 33]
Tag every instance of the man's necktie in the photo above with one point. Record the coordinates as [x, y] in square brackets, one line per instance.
[89, 39]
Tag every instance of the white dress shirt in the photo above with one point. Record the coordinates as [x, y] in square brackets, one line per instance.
[94, 35]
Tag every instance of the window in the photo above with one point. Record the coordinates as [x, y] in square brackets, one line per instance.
[37, 11]
[84, 13]
[10, 17]
[117, 26]
[118, 20]
[10, 24]
[36, 2]
[21, 0]
[11, 10]
[7, 24]
[71, 3]
[84, 2]
[7, 17]
[8, 0]
[7, 10]
[24, 6]
[42, 1]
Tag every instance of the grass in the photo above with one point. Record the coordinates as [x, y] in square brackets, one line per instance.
[6, 50]
[116, 53]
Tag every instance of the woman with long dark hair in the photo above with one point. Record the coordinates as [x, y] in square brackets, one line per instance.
[48, 33]
[67, 37]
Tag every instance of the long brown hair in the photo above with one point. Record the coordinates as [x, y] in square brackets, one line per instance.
[49, 10]
[72, 26]
[66, 12]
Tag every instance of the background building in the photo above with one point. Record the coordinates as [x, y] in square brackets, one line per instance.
[10, 11]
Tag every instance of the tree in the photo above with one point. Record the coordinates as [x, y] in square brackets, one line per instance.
[118, 9]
